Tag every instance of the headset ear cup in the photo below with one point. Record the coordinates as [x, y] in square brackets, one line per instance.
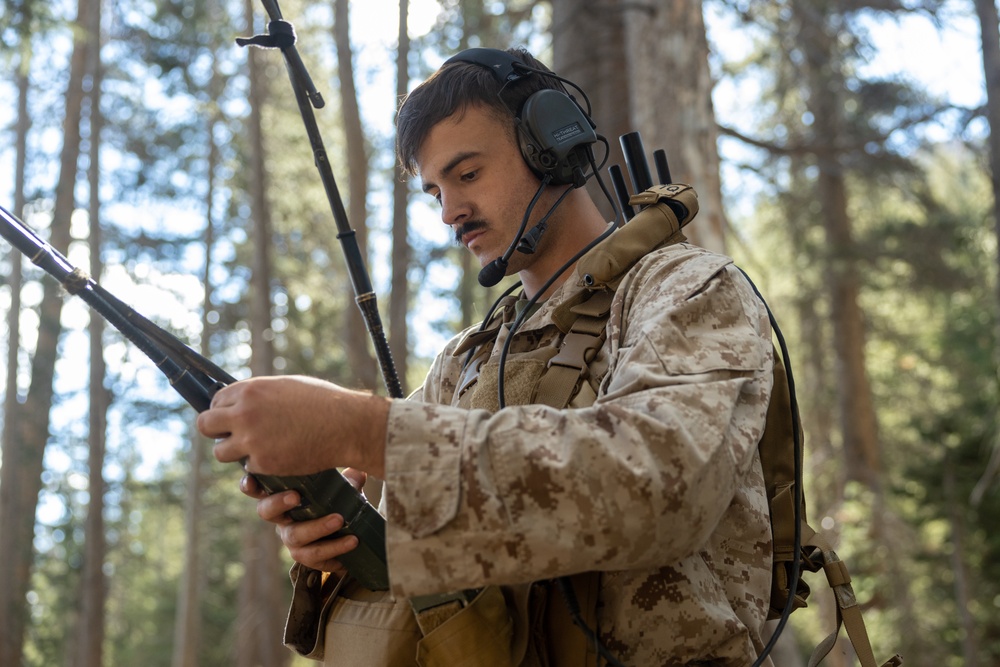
[539, 162]
[555, 136]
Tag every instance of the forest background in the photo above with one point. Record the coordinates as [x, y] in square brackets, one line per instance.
[843, 155]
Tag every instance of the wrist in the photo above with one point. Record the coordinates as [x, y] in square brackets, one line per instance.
[374, 411]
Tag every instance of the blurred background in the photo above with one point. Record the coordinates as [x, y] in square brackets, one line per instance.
[843, 155]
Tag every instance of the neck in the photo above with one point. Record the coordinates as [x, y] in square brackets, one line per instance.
[577, 222]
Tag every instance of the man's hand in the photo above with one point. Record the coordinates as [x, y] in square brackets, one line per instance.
[295, 425]
[306, 541]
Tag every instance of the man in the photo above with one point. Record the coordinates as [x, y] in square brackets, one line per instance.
[645, 474]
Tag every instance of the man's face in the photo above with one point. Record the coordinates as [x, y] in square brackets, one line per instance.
[470, 163]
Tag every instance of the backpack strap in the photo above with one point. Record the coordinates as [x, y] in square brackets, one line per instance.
[777, 460]
[848, 610]
[780, 450]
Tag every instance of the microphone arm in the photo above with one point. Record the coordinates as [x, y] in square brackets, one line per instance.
[493, 273]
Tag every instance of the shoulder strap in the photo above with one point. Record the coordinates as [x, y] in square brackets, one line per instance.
[570, 366]
[848, 609]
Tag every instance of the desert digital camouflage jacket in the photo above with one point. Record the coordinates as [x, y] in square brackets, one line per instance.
[652, 478]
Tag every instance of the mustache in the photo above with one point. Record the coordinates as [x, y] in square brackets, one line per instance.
[468, 227]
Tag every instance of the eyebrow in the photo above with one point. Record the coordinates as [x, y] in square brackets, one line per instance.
[454, 162]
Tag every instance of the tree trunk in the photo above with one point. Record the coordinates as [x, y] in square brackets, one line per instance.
[859, 426]
[989, 23]
[588, 48]
[16, 279]
[262, 603]
[399, 297]
[187, 628]
[970, 644]
[94, 585]
[816, 389]
[671, 103]
[362, 363]
[20, 475]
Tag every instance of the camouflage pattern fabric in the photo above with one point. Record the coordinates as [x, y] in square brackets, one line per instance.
[656, 484]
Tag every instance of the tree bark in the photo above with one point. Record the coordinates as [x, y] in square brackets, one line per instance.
[399, 296]
[94, 585]
[16, 278]
[858, 422]
[588, 48]
[187, 628]
[361, 361]
[20, 475]
[671, 103]
[989, 22]
[262, 603]
[970, 643]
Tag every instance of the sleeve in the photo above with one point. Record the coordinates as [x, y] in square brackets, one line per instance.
[637, 480]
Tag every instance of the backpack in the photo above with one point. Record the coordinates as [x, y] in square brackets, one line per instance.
[797, 545]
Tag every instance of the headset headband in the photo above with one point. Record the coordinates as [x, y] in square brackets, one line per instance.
[503, 65]
[554, 132]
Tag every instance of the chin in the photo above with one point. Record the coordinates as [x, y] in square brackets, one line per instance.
[483, 256]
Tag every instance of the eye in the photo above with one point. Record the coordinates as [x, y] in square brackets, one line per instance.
[470, 176]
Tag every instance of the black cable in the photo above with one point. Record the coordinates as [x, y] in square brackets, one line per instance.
[563, 582]
[793, 580]
[493, 273]
[555, 276]
[486, 320]
[565, 587]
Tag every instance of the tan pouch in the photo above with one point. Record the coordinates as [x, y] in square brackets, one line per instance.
[479, 635]
[370, 628]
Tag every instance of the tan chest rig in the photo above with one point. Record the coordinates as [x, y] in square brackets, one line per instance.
[561, 364]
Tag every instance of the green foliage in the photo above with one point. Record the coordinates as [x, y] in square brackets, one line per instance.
[925, 254]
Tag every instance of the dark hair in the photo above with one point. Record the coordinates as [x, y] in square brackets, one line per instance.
[454, 88]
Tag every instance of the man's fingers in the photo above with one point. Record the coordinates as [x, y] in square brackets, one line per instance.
[251, 487]
[356, 477]
[225, 396]
[226, 451]
[213, 424]
[322, 555]
[273, 508]
[298, 534]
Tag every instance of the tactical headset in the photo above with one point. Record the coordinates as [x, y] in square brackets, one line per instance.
[555, 134]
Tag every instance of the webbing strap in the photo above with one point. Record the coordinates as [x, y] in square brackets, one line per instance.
[571, 364]
[848, 612]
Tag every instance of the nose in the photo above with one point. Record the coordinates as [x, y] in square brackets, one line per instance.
[455, 209]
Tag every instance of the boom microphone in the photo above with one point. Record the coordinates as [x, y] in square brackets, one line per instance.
[493, 273]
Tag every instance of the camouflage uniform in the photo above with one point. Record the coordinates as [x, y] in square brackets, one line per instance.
[652, 478]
